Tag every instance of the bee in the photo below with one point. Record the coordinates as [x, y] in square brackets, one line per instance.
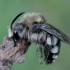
[34, 27]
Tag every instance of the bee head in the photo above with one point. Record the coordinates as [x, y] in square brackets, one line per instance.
[11, 29]
[19, 30]
[19, 27]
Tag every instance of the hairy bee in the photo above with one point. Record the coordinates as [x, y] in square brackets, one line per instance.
[34, 27]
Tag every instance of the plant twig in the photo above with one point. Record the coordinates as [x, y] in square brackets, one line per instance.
[10, 54]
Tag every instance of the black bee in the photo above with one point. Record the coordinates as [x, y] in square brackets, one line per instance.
[35, 28]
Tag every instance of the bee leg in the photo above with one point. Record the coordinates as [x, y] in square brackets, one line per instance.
[53, 53]
[49, 59]
[27, 46]
[9, 68]
[45, 53]
[12, 38]
[41, 51]
[14, 42]
[37, 53]
[47, 46]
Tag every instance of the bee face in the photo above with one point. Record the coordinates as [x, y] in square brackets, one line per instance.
[20, 30]
[18, 27]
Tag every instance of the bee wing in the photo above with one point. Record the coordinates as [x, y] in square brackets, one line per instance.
[55, 32]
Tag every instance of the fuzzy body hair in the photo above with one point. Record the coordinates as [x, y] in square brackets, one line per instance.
[32, 17]
[10, 32]
[28, 19]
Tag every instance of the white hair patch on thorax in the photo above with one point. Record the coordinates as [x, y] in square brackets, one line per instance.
[55, 49]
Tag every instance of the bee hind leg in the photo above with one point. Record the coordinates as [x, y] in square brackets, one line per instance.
[37, 53]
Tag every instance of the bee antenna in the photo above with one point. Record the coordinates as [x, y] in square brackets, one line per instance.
[16, 18]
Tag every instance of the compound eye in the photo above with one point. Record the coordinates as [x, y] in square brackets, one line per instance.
[35, 24]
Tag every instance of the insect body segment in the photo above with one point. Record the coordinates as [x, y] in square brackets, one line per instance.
[34, 27]
[52, 55]
[51, 49]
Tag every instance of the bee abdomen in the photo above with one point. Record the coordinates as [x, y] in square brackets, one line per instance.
[54, 48]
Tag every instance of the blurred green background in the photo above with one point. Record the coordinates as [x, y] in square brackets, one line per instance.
[58, 14]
